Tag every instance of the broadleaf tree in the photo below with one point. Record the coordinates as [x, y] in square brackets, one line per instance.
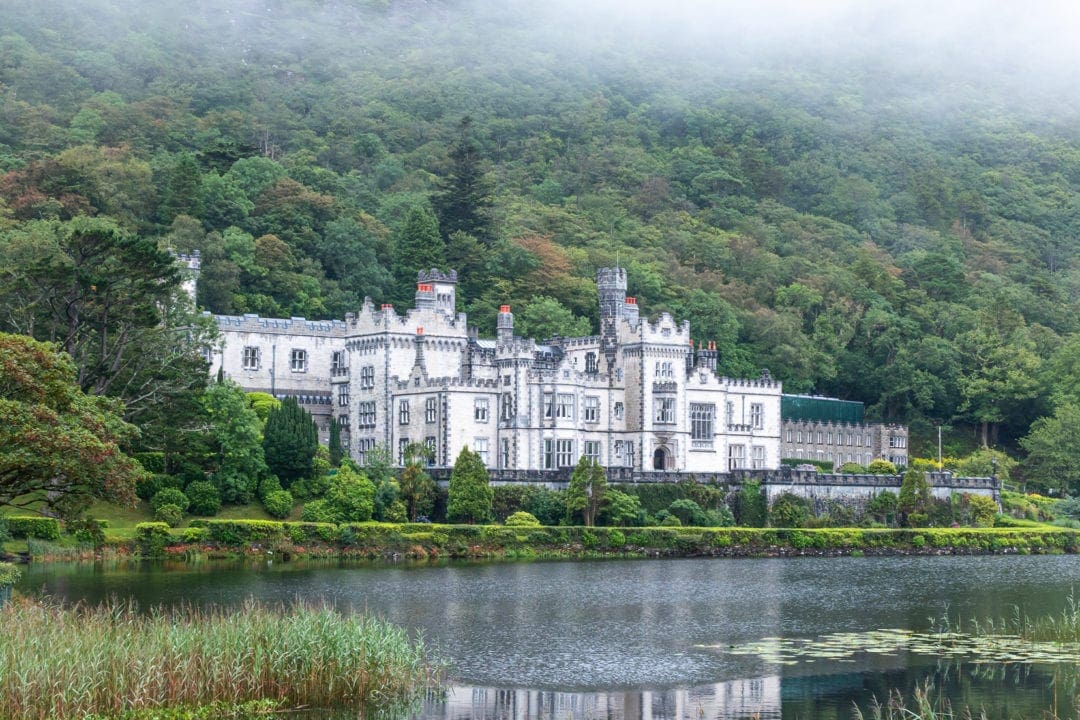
[59, 447]
[587, 490]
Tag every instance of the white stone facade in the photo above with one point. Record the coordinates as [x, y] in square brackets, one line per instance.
[840, 442]
[636, 396]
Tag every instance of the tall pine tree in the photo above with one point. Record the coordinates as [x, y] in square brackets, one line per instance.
[463, 203]
[419, 247]
[290, 440]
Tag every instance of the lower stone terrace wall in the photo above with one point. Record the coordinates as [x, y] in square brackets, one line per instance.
[804, 483]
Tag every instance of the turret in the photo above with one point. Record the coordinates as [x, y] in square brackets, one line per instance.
[440, 290]
[611, 288]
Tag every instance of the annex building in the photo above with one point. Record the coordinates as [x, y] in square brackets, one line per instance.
[638, 396]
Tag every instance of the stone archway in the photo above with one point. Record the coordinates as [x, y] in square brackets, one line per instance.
[659, 459]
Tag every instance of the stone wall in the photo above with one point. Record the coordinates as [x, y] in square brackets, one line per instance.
[851, 489]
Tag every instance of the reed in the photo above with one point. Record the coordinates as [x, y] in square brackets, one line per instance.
[924, 704]
[1062, 627]
[114, 659]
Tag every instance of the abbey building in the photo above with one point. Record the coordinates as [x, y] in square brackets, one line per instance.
[639, 395]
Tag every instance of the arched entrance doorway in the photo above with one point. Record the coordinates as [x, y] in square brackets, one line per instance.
[659, 459]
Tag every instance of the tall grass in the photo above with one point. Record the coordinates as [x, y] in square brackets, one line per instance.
[923, 705]
[1063, 627]
[69, 662]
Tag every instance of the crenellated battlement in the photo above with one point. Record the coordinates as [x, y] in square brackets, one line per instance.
[448, 383]
[280, 326]
[759, 383]
[434, 275]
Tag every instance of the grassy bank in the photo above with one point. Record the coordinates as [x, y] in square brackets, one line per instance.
[113, 661]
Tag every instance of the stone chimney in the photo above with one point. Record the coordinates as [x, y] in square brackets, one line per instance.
[505, 324]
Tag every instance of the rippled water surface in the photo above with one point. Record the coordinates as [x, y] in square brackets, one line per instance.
[620, 639]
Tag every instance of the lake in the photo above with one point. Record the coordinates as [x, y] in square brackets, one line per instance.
[647, 638]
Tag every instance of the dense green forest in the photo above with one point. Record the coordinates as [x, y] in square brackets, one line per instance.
[901, 233]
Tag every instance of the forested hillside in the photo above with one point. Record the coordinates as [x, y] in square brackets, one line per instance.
[901, 233]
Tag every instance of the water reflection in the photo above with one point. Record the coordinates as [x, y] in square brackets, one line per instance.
[754, 697]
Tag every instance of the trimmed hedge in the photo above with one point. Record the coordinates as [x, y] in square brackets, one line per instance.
[42, 528]
[470, 540]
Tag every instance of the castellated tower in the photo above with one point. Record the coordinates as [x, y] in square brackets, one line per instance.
[436, 290]
[611, 289]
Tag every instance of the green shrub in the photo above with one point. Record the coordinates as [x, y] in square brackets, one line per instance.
[883, 506]
[5, 534]
[789, 511]
[670, 521]
[616, 539]
[509, 499]
[319, 511]
[750, 508]
[205, 498]
[395, 512]
[152, 537]
[42, 528]
[242, 532]
[881, 467]
[170, 496]
[918, 519]
[194, 535]
[88, 532]
[351, 497]
[270, 484]
[689, 543]
[279, 503]
[522, 519]
[918, 541]
[9, 575]
[152, 462]
[169, 514]
[548, 506]
[688, 512]
[982, 509]
[800, 540]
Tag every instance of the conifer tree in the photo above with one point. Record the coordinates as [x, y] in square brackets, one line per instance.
[419, 247]
[470, 495]
[463, 203]
[914, 498]
[290, 440]
[336, 451]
